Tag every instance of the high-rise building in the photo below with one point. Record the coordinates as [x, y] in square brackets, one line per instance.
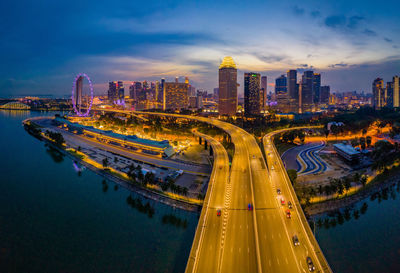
[324, 95]
[281, 85]
[316, 87]
[175, 95]
[293, 90]
[112, 91]
[227, 102]
[396, 92]
[378, 93]
[132, 93]
[389, 94]
[78, 93]
[251, 93]
[306, 93]
[215, 93]
[263, 93]
[120, 91]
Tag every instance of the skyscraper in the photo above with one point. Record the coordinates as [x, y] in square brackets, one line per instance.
[175, 95]
[324, 95]
[378, 93]
[316, 87]
[132, 93]
[396, 92]
[227, 103]
[78, 93]
[120, 91]
[263, 93]
[215, 93]
[251, 94]
[281, 85]
[293, 90]
[307, 99]
[112, 91]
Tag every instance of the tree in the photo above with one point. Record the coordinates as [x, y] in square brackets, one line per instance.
[369, 140]
[292, 175]
[105, 162]
[363, 180]
[185, 191]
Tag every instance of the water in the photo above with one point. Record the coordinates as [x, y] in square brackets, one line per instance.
[54, 219]
[364, 237]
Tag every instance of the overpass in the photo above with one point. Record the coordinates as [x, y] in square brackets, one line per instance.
[242, 240]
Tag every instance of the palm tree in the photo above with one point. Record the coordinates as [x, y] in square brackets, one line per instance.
[105, 162]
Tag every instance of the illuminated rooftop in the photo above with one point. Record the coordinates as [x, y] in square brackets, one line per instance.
[227, 62]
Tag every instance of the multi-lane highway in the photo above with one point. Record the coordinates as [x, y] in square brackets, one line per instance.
[255, 240]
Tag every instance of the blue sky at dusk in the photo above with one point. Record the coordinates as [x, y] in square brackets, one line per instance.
[44, 44]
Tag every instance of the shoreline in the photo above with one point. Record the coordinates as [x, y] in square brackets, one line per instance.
[147, 193]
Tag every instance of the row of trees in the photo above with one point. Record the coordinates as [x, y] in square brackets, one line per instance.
[290, 136]
[338, 186]
[385, 154]
[362, 142]
[136, 174]
[56, 137]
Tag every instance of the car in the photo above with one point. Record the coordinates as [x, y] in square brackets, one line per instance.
[310, 264]
[288, 214]
[249, 206]
[272, 167]
[220, 167]
[278, 191]
[218, 212]
[290, 205]
[295, 240]
[282, 201]
[254, 156]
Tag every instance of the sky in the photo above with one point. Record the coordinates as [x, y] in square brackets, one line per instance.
[44, 44]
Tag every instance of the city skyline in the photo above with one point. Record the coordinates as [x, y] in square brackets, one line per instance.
[350, 44]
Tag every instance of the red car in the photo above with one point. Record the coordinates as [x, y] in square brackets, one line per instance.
[218, 212]
[288, 214]
[282, 201]
[249, 207]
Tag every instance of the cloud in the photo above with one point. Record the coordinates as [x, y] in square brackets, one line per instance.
[298, 11]
[335, 21]
[315, 14]
[388, 40]
[338, 65]
[354, 21]
[369, 32]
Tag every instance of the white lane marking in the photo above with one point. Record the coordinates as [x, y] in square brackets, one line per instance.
[287, 262]
[277, 260]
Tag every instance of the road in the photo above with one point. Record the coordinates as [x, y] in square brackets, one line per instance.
[80, 140]
[259, 240]
[297, 225]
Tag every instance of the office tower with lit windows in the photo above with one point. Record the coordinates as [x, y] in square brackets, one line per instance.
[227, 103]
[396, 92]
[215, 93]
[281, 85]
[78, 93]
[316, 87]
[175, 96]
[132, 93]
[324, 95]
[378, 93]
[263, 93]
[293, 90]
[307, 92]
[121, 91]
[252, 94]
[114, 91]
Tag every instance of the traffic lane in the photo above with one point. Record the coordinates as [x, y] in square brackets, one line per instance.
[294, 226]
[239, 254]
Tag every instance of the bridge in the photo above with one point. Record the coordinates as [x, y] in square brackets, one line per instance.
[255, 240]
[13, 105]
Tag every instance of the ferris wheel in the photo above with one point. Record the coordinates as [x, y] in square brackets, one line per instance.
[79, 100]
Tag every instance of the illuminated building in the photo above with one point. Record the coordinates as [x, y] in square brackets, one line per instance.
[378, 93]
[293, 90]
[324, 95]
[227, 102]
[306, 94]
[316, 87]
[396, 91]
[116, 91]
[252, 93]
[281, 85]
[175, 95]
[132, 93]
[263, 93]
[78, 93]
[215, 93]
